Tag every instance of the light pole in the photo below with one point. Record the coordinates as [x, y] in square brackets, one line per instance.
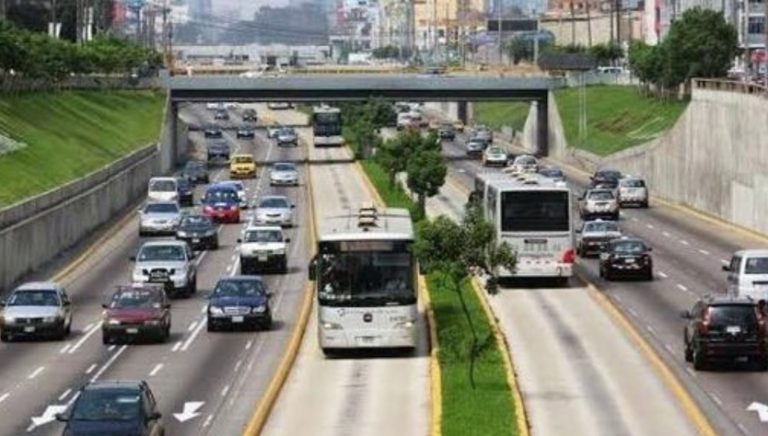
[499, 7]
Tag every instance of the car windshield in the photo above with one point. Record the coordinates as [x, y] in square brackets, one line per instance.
[600, 195]
[193, 166]
[183, 184]
[273, 203]
[136, 299]
[551, 173]
[495, 150]
[162, 208]
[212, 127]
[633, 183]
[196, 220]
[107, 405]
[221, 196]
[238, 186]
[608, 174]
[263, 236]
[34, 298]
[239, 288]
[756, 265]
[161, 252]
[243, 159]
[723, 316]
[606, 226]
[162, 185]
[284, 167]
[525, 160]
[628, 247]
[286, 131]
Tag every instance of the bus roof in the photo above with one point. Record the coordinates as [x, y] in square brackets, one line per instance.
[524, 181]
[325, 109]
[383, 224]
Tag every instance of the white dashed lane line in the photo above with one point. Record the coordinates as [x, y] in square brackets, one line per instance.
[666, 234]
[156, 369]
[650, 226]
[192, 326]
[684, 242]
[662, 274]
[4, 396]
[90, 368]
[35, 373]
[682, 288]
[65, 394]
[704, 252]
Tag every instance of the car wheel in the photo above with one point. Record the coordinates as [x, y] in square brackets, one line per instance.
[193, 286]
[699, 361]
[644, 204]
[69, 328]
[284, 267]
[600, 272]
[5, 337]
[61, 334]
[211, 326]
[142, 234]
[268, 323]
[688, 354]
[215, 245]
[608, 275]
[166, 334]
[106, 339]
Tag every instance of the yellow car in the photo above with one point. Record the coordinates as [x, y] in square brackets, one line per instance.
[242, 165]
[459, 126]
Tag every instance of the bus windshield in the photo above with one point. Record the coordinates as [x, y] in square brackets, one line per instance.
[366, 278]
[327, 123]
[535, 211]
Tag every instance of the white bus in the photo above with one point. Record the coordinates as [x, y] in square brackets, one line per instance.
[366, 281]
[532, 214]
[326, 126]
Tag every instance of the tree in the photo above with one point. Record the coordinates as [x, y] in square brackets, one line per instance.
[519, 49]
[426, 171]
[645, 61]
[606, 54]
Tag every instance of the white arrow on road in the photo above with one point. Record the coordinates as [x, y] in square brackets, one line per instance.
[49, 415]
[189, 411]
[761, 409]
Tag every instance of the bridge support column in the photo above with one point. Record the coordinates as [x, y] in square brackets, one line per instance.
[542, 127]
[463, 111]
[169, 144]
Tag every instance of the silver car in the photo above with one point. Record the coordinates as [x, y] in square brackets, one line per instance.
[159, 218]
[36, 309]
[284, 173]
[476, 146]
[599, 203]
[633, 190]
[274, 209]
[272, 131]
[287, 136]
[484, 133]
[594, 234]
[170, 263]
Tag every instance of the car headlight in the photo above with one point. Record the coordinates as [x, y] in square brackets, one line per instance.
[259, 309]
[332, 326]
[50, 319]
[403, 325]
[182, 234]
[113, 322]
[279, 251]
[210, 232]
[9, 319]
[152, 322]
[215, 310]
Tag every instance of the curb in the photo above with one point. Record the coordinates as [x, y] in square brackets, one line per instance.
[521, 414]
[261, 414]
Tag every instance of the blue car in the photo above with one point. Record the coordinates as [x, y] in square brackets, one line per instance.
[114, 407]
[239, 301]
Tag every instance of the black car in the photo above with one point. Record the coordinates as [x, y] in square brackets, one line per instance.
[626, 257]
[199, 232]
[446, 131]
[218, 150]
[221, 114]
[605, 179]
[195, 172]
[114, 407]
[239, 301]
[249, 115]
[726, 328]
[186, 192]
[213, 131]
[246, 132]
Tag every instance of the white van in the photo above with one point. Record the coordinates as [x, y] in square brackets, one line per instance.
[162, 189]
[404, 121]
[748, 274]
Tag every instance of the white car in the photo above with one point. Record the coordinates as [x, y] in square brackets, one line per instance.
[274, 210]
[632, 190]
[263, 247]
[159, 218]
[494, 156]
[284, 173]
[525, 164]
[748, 274]
[170, 263]
[273, 131]
[242, 195]
[279, 105]
[162, 189]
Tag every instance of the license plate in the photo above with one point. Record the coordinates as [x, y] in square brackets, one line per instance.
[630, 260]
[733, 329]
[366, 340]
[263, 257]
[29, 329]
[238, 319]
[132, 331]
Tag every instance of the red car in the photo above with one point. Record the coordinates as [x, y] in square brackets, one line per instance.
[135, 312]
[222, 204]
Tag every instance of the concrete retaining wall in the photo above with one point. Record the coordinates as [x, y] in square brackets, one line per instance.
[35, 232]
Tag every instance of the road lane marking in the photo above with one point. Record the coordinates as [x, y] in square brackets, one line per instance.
[176, 346]
[633, 312]
[64, 348]
[208, 421]
[650, 226]
[111, 347]
[156, 369]
[194, 334]
[85, 337]
[36, 372]
[192, 326]
[4, 396]
[666, 234]
[635, 219]
[90, 368]
[225, 391]
[704, 252]
[203, 309]
[684, 242]
[65, 394]
[682, 287]
[716, 399]
[109, 363]
[724, 261]
[663, 274]
[249, 344]
[669, 348]
[650, 329]
[88, 327]
[238, 364]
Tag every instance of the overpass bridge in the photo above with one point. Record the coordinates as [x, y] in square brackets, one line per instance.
[359, 87]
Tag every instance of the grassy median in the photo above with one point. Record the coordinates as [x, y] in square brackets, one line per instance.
[71, 134]
[496, 115]
[488, 408]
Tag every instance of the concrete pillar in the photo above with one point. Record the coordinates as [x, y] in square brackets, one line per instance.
[542, 127]
[168, 144]
[463, 112]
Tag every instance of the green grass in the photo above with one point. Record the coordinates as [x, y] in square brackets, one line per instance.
[498, 114]
[71, 134]
[488, 408]
[618, 117]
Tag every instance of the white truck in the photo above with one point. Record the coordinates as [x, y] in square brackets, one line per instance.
[263, 248]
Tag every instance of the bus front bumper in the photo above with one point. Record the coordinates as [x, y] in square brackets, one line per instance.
[404, 337]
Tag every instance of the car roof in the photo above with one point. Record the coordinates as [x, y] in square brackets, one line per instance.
[284, 163]
[752, 252]
[38, 286]
[628, 239]
[115, 384]
[727, 299]
[589, 191]
[149, 203]
[221, 186]
[242, 278]
[164, 242]
[250, 228]
[242, 155]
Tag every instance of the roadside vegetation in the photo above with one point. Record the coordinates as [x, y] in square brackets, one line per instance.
[476, 398]
[496, 114]
[71, 134]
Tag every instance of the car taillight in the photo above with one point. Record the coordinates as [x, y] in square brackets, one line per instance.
[208, 209]
[569, 256]
[704, 326]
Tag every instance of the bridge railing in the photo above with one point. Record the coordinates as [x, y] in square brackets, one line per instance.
[731, 86]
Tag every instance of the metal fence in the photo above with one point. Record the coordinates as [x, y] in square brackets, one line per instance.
[730, 86]
[14, 84]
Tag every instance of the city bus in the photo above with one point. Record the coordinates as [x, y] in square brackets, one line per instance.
[532, 214]
[365, 276]
[326, 126]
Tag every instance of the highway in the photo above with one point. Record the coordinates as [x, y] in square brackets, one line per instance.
[368, 394]
[689, 251]
[205, 383]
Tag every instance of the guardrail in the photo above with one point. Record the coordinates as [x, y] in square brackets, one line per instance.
[731, 86]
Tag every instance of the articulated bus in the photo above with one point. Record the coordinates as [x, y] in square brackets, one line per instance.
[326, 126]
[366, 282]
[532, 214]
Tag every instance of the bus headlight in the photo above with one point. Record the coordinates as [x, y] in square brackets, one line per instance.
[404, 325]
[332, 326]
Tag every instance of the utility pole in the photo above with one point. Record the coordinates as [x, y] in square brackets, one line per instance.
[589, 25]
[765, 45]
[573, 23]
[618, 21]
[499, 7]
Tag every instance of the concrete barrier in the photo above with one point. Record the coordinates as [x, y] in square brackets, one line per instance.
[35, 232]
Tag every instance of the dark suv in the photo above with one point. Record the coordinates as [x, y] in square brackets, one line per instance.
[626, 257]
[726, 328]
[114, 407]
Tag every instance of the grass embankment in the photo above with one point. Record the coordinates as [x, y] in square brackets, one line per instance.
[488, 408]
[618, 117]
[71, 134]
[496, 114]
